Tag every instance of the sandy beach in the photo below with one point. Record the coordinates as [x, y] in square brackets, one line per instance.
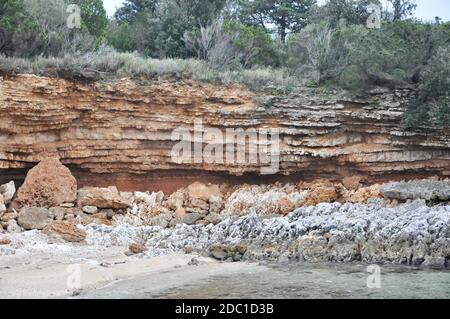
[68, 270]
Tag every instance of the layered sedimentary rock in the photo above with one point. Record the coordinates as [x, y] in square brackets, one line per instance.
[120, 132]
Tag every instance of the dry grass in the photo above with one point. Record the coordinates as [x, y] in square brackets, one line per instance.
[107, 63]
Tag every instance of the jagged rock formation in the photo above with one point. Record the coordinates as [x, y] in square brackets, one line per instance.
[411, 234]
[119, 133]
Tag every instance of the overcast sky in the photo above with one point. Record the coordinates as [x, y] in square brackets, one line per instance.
[427, 9]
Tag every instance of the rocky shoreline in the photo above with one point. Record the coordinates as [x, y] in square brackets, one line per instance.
[404, 223]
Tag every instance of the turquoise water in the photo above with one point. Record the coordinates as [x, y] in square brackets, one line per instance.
[321, 281]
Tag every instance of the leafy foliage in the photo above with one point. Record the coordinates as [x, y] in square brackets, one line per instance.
[335, 12]
[319, 49]
[286, 15]
[393, 55]
[432, 106]
[402, 8]
[93, 16]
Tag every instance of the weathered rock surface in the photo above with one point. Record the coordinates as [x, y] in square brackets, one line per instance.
[65, 230]
[90, 210]
[101, 198]
[411, 233]
[424, 189]
[119, 133]
[7, 191]
[203, 192]
[34, 218]
[48, 184]
[227, 252]
[13, 227]
[352, 182]
[2, 205]
[264, 200]
[136, 248]
[5, 242]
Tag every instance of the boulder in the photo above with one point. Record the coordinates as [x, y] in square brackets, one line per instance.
[49, 184]
[90, 210]
[224, 252]
[149, 199]
[2, 205]
[216, 204]
[213, 218]
[101, 198]
[200, 204]
[285, 206]
[34, 218]
[9, 216]
[352, 182]
[136, 248]
[5, 242]
[58, 212]
[176, 200]
[321, 193]
[202, 191]
[110, 213]
[8, 191]
[425, 189]
[180, 212]
[13, 227]
[162, 220]
[188, 219]
[364, 194]
[65, 230]
[217, 252]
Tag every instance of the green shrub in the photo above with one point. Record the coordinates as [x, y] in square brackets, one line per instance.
[391, 56]
[433, 102]
[318, 50]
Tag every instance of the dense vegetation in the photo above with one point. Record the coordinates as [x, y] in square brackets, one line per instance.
[260, 43]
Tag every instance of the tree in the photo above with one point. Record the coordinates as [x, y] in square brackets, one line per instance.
[286, 15]
[350, 11]
[229, 43]
[47, 33]
[157, 30]
[131, 8]
[93, 16]
[432, 105]
[403, 8]
[120, 36]
[13, 19]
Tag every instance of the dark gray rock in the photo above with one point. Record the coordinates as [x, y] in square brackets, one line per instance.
[190, 219]
[426, 190]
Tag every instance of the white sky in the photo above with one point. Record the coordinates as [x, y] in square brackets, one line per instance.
[427, 9]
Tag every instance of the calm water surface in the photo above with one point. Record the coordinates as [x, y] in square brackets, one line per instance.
[289, 281]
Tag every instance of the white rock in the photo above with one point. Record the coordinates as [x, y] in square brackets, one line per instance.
[7, 191]
[2, 205]
[90, 210]
[13, 227]
[149, 199]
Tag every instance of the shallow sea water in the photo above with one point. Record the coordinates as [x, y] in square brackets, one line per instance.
[304, 281]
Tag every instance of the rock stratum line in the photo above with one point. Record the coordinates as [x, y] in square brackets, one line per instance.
[119, 132]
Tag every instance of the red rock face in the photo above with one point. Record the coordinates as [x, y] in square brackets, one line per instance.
[119, 133]
[48, 184]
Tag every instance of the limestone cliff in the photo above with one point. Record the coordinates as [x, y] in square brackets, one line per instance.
[120, 132]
